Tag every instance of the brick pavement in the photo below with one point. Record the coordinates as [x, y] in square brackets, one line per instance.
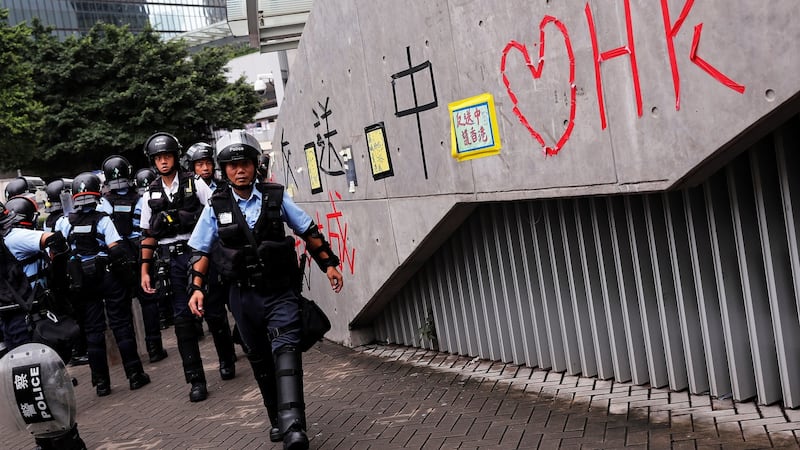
[397, 397]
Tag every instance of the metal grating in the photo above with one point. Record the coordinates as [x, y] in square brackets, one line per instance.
[694, 289]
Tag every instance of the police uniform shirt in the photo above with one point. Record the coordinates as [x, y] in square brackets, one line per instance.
[201, 190]
[106, 207]
[24, 243]
[105, 228]
[206, 230]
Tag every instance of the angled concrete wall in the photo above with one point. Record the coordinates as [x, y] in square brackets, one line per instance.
[681, 83]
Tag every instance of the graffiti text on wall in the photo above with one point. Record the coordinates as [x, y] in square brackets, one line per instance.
[627, 50]
[333, 166]
[418, 70]
[335, 230]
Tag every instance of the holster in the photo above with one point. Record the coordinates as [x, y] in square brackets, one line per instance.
[75, 273]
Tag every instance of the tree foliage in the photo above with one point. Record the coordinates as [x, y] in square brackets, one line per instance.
[104, 93]
[20, 111]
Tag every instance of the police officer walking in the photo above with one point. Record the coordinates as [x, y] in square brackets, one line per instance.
[200, 160]
[26, 247]
[242, 231]
[124, 205]
[96, 252]
[169, 212]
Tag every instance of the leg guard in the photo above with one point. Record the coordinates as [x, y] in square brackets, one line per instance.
[155, 350]
[264, 373]
[70, 440]
[189, 349]
[221, 332]
[291, 406]
[151, 320]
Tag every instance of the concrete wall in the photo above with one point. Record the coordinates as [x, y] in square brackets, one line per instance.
[734, 64]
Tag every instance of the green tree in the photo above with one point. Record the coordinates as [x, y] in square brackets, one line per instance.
[20, 112]
[106, 92]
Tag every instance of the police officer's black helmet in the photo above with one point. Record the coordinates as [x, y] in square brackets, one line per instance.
[85, 189]
[197, 152]
[8, 218]
[16, 186]
[26, 209]
[144, 177]
[160, 143]
[238, 145]
[118, 171]
[53, 190]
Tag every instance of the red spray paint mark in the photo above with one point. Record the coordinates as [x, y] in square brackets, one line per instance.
[536, 72]
[711, 70]
[337, 236]
[630, 49]
[671, 32]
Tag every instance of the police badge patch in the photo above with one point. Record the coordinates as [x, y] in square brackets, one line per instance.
[225, 218]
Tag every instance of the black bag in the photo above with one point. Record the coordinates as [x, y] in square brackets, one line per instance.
[56, 331]
[314, 323]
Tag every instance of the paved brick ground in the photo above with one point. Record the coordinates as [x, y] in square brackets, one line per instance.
[384, 397]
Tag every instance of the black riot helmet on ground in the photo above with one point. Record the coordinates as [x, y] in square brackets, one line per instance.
[26, 208]
[237, 145]
[144, 177]
[162, 143]
[117, 171]
[85, 189]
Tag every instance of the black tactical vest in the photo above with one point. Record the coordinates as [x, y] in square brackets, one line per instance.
[170, 218]
[50, 222]
[124, 207]
[84, 235]
[273, 253]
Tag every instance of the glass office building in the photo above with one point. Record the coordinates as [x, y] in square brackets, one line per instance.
[169, 17]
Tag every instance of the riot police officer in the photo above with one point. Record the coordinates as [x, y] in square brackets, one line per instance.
[95, 253]
[124, 205]
[17, 186]
[169, 212]
[200, 160]
[144, 177]
[26, 247]
[243, 232]
[58, 191]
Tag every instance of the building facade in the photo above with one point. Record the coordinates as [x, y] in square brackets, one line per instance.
[74, 17]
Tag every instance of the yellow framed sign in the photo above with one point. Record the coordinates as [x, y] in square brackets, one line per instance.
[313, 168]
[379, 157]
[474, 131]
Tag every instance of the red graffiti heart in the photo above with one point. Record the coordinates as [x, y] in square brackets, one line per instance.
[536, 72]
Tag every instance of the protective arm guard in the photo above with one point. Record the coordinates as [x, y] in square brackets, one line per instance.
[196, 272]
[319, 248]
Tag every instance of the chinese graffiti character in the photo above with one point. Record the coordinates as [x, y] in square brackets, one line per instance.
[411, 72]
[331, 167]
[287, 156]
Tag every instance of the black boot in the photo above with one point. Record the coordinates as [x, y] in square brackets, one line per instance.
[102, 384]
[189, 349]
[264, 373]
[70, 440]
[291, 406]
[155, 350]
[221, 333]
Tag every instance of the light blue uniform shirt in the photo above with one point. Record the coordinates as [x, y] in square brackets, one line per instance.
[106, 207]
[24, 243]
[105, 227]
[206, 231]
